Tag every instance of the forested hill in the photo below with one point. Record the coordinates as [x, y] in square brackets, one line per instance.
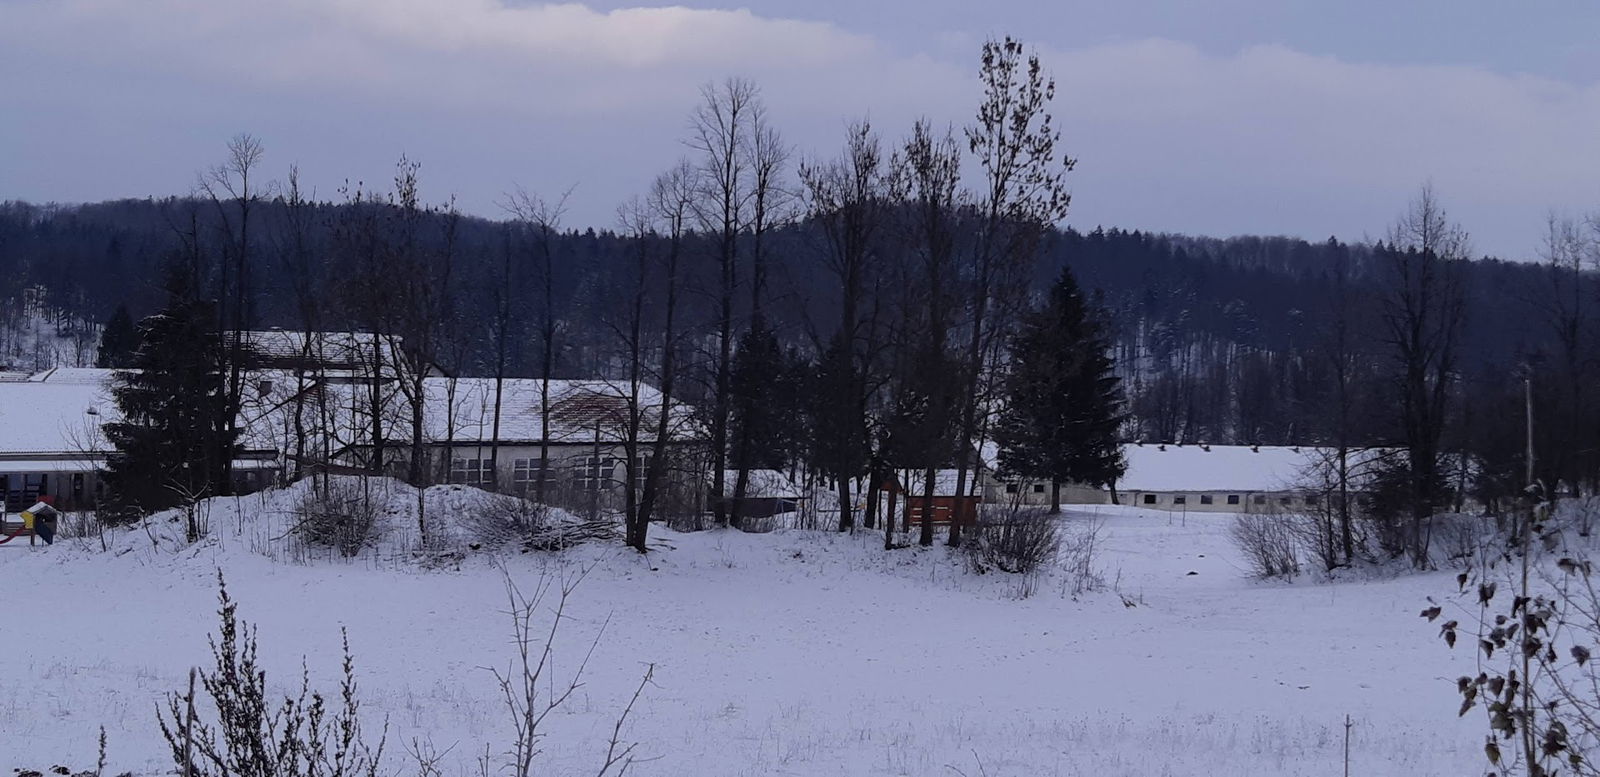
[1220, 340]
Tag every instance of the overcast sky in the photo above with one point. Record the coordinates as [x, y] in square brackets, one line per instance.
[1307, 118]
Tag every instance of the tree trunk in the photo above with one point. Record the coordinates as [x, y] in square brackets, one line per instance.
[869, 518]
[888, 520]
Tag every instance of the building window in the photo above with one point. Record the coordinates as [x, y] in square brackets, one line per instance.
[1038, 488]
[595, 472]
[524, 475]
[1233, 499]
[1149, 499]
[1283, 500]
[1259, 499]
[1012, 488]
[1205, 499]
[472, 472]
[636, 473]
[1180, 500]
[1313, 500]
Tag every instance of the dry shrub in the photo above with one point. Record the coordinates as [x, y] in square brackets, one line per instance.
[1019, 540]
[1268, 543]
[502, 520]
[1080, 554]
[340, 515]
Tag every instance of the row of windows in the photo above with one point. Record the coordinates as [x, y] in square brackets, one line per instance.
[1234, 499]
[1012, 488]
[590, 472]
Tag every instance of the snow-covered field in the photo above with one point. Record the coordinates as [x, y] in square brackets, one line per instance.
[785, 653]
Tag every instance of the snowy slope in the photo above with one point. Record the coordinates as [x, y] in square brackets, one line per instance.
[785, 653]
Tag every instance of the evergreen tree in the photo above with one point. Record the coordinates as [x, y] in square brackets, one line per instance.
[172, 444]
[118, 342]
[765, 417]
[1064, 402]
[840, 444]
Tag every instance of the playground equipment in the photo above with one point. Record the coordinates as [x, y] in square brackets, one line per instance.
[37, 523]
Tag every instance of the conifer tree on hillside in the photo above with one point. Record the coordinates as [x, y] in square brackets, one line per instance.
[118, 342]
[1064, 403]
[173, 442]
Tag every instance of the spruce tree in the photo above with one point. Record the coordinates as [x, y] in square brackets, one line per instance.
[1064, 403]
[172, 443]
[840, 442]
[765, 412]
[118, 341]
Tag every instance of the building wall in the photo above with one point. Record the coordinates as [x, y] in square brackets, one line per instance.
[1220, 501]
[516, 466]
[69, 489]
[1037, 493]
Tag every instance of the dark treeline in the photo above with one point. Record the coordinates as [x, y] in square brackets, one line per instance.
[1216, 337]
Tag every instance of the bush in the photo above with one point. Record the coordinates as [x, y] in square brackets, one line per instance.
[242, 732]
[1080, 553]
[1268, 543]
[502, 519]
[1019, 540]
[340, 515]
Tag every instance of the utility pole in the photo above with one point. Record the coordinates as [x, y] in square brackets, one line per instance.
[1527, 393]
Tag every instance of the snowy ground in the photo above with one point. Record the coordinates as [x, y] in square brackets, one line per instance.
[786, 653]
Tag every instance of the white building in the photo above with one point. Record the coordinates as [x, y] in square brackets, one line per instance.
[1222, 478]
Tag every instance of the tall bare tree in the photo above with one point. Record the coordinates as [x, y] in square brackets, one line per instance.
[669, 203]
[1023, 194]
[305, 275]
[1567, 433]
[541, 220]
[719, 135]
[770, 207]
[1422, 316]
[235, 193]
[927, 176]
[848, 200]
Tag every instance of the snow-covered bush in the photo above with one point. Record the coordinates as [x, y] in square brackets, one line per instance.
[1268, 543]
[341, 515]
[1017, 539]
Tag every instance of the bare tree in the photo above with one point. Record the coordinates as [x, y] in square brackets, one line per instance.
[1023, 194]
[1342, 349]
[234, 194]
[719, 135]
[306, 280]
[1422, 315]
[848, 199]
[927, 179]
[1566, 454]
[770, 207]
[541, 220]
[669, 203]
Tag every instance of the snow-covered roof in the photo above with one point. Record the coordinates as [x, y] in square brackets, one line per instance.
[1153, 467]
[765, 484]
[42, 417]
[83, 376]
